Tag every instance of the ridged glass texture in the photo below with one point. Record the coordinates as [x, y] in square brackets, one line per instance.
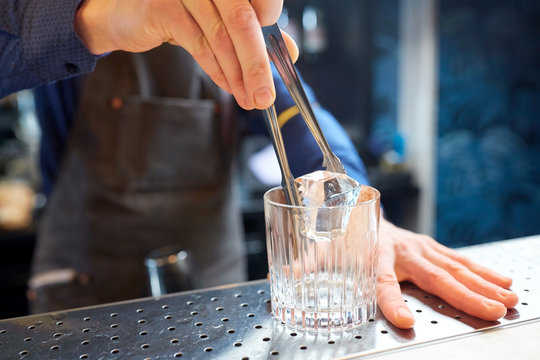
[323, 280]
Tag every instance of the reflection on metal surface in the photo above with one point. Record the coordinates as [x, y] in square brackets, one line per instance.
[235, 322]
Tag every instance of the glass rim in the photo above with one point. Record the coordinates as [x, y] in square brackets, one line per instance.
[267, 200]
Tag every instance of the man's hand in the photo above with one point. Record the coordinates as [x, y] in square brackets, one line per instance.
[407, 256]
[224, 37]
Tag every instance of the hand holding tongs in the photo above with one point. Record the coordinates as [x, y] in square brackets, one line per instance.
[279, 54]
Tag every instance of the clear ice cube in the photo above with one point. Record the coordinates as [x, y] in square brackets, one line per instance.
[324, 189]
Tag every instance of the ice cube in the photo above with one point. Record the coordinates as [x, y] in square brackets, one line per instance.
[324, 189]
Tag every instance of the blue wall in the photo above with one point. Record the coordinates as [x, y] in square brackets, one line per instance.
[488, 185]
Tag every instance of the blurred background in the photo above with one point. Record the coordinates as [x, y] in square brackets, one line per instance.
[441, 98]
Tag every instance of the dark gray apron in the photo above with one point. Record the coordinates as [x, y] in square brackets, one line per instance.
[148, 165]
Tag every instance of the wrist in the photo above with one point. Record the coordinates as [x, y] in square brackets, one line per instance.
[91, 26]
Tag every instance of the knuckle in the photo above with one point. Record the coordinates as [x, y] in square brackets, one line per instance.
[199, 47]
[436, 275]
[243, 16]
[219, 34]
[455, 267]
[386, 279]
[257, 71]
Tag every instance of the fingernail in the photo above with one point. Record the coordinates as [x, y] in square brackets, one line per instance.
[263, 97]
[404, 313]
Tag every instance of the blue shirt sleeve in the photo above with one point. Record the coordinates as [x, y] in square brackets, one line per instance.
[303, 153]
[38, 44]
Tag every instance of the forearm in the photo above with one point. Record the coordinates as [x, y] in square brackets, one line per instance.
[39, 44]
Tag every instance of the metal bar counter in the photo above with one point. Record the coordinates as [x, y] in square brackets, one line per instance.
[235, 322]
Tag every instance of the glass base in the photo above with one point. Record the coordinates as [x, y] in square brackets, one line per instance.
[324, 321]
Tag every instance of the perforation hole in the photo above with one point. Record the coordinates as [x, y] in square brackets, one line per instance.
[114, 314]
[83, 356]
[258, 326]
[55, 347]
[85, 342]
[87, 318]
[225, 319]
[198, 324]
[56, 335]
[384, 331]
[114, 326]
[115, 351]
[208, 349]
[178, 354]
[23, 352]
[524, 303]
[171, 328]
[28, 339]
[260, 292]
[194, 313]
[237, 295]
[29, 328]
[214, 299]
[250, 315]
[87, 330]
[168, 317]
[293, 334]
[175, 341]
[418, 310]
[145, 346]
[164, 306]
[219, 308]
[266, 339]
[231, 331]
[434, 322]
[190, 302]
[268, 301]
[441, 306]
[143, 333]
[59, 323]
[141, 321]
[203, 336]
[303, 347]
[331, 342]
[140, 310]
[237, 344]
[114, 338]
[243, 305]
[358, 337]
[274, 352]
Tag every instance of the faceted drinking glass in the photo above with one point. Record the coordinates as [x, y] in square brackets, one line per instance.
[322, 261]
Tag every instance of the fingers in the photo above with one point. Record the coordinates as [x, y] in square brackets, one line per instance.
[473, 281]
[291, 46]
[391, 302]
[389, 293]
[484, 272]
[216, 50]
[267, 11]
[245, 32]
[438, 281]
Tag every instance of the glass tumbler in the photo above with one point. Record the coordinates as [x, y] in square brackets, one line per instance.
[322, 261]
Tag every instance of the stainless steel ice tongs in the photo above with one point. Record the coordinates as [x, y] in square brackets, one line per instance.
[279, 54]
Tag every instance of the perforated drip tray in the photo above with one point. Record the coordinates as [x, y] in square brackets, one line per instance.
[235, 322]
